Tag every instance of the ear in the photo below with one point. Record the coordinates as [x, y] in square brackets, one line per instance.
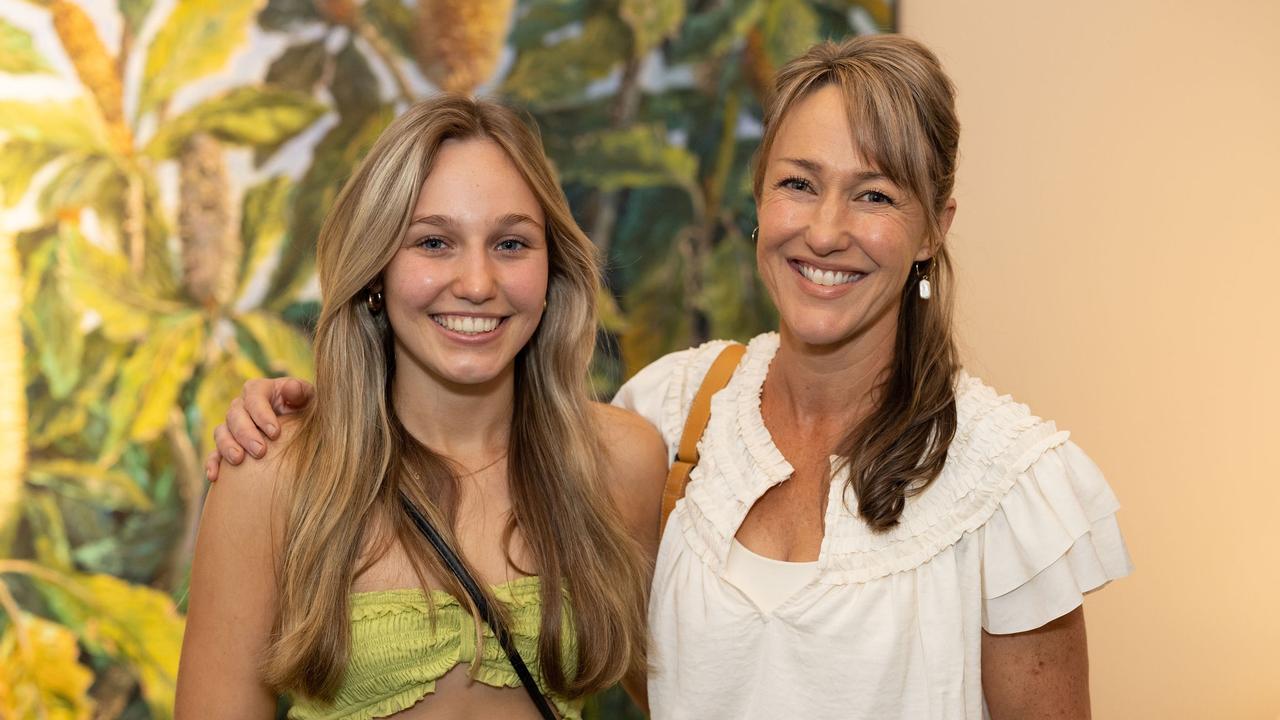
[944, 226]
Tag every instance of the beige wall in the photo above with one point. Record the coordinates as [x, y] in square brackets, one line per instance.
[1119, 244]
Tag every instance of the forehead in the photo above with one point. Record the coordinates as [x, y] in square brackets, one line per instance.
[476, 179]
[816, 127]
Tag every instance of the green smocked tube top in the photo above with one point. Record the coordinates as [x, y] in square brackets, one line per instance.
[396, 657]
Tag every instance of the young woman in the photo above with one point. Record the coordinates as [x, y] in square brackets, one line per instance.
[455, 333]
[870, 532]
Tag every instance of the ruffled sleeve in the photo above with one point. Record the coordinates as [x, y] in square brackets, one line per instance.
[663, 390]
[1053, 538]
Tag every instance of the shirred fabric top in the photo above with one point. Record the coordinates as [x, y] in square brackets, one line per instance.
[396, 656]
[1017, 527]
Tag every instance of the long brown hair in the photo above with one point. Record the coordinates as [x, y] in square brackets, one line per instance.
[901, 107]
[352, 457]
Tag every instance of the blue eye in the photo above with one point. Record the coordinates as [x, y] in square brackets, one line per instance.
[431, 242]
[795, 183]
[510, 245]
[877, 197]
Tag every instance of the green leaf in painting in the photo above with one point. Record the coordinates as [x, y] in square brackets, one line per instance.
[48, 530]
[881, 12]
[150, 381]
[51, 421]
[54, 326]
[285, 347]
[89, 482]
[657, 320]
[134, 13]
[790, 27]
[736, 305]
[72, 125]
[711, 33]
[18, 54]
[638, 156]
[537, 18]
[651, 21]
[197, 38]
[262, 227]
[100, 281]
[334, 157]
[559, 72]
[43, 677]
[394, 20]
[21, 160]
[300, 67]
[354, 86]
[84, 182]
[287, 14]
[256, 116]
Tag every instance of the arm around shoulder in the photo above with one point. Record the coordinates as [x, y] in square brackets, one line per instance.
[231, 605]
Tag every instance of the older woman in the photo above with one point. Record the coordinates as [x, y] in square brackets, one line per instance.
[870, 531]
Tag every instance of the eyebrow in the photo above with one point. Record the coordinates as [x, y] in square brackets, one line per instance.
[816, 168]
[504, 221]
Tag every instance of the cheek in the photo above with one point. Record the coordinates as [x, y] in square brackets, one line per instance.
[526, 285]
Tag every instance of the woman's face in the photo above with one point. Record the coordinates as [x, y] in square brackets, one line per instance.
[466, 289]
[837, 238]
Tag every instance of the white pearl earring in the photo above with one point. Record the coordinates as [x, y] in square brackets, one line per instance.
[926, 288]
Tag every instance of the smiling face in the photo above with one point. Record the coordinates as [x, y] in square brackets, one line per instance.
[837, 238]
[465, 291]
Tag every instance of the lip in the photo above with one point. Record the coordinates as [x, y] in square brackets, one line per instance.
[476, 339]
[823, 291]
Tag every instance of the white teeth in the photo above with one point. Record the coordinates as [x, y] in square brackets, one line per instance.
[827, 278]
[465, 324]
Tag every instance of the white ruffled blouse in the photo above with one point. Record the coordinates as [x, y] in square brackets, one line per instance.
[1017, 527]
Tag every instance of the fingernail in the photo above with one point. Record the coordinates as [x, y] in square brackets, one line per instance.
[237, 455]
[257, 448]
[272, 430]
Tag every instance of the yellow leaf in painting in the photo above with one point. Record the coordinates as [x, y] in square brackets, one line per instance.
[39, 661]
[13, 396]
[651, 21]
[74, 126]
[611, 317]
[150, 381]
[100, 281]
[133, 623]
[198, 38]
[286, 348]
[220, 385]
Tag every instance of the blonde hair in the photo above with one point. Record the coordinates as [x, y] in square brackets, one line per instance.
[901, 108]
[352, 457]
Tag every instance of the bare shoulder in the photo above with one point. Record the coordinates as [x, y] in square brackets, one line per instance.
[636, 459]
[253, 494]
[628, 437]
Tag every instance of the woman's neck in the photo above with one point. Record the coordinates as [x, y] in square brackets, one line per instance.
[468, 423]
[821, 385]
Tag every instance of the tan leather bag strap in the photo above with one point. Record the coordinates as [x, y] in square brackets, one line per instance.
[696, 424]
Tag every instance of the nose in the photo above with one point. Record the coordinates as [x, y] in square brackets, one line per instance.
[475, 281]
[831, 226]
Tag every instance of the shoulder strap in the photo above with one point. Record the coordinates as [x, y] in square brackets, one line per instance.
[695, 425]
[486, 612]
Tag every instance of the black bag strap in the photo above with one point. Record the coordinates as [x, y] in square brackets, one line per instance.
[486, 612]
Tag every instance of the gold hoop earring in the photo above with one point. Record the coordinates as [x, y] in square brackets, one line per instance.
[755, 235]
[373, 300]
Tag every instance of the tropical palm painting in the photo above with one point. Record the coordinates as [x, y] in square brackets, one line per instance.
[164, 167]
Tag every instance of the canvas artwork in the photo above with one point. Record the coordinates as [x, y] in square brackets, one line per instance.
[164, 169]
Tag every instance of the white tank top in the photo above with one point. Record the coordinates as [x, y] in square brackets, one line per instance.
[767, 582]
